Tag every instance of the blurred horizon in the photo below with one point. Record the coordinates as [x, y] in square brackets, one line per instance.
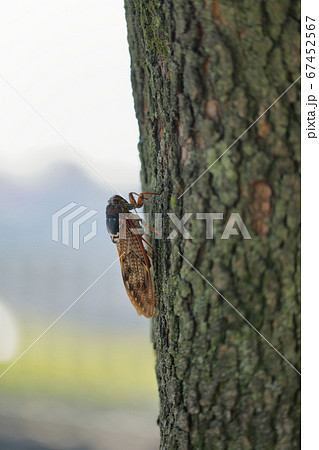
[99, 357]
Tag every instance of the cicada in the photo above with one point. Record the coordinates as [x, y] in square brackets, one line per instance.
[126, 232]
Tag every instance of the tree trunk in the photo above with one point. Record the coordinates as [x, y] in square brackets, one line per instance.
[202, 72]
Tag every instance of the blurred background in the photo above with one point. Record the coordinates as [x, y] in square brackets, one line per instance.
[89, 382]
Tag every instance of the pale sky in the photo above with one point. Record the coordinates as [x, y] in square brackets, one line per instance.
[70, 60]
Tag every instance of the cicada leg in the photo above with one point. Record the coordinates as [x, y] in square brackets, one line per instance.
[140, 198]
[151, 228]
[148, 252]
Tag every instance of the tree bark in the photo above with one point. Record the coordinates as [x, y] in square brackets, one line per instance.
[202, 72]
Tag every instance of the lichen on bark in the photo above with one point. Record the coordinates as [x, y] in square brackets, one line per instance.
[202, 72]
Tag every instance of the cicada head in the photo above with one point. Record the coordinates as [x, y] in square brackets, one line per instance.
[117, 201]
[115, 206]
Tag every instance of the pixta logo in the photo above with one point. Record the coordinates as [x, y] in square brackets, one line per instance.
[67, 222]
[234, 226]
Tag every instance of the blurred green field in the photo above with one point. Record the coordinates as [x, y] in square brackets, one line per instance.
[112, 369]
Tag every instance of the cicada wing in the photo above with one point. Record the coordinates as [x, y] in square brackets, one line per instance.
[135, 267]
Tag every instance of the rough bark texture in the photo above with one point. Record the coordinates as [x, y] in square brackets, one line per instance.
[202, 72]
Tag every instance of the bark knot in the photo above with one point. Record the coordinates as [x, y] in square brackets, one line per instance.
[261, 206]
